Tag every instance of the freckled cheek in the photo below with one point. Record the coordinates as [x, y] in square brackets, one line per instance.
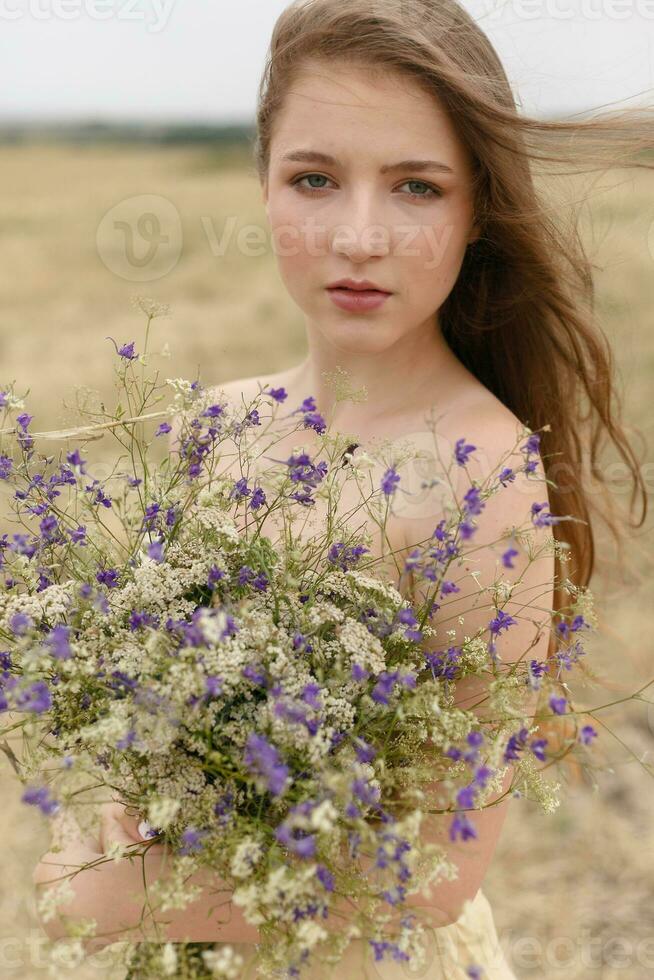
[436, 250]
[300, 241]
[430, 247]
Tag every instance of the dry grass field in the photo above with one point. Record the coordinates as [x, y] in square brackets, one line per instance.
[573, 892]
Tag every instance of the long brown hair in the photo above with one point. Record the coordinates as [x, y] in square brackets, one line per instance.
[521, 316]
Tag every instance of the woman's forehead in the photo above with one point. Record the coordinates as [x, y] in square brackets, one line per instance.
[353, 114]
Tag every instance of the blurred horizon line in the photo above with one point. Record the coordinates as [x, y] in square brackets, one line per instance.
[87, 128]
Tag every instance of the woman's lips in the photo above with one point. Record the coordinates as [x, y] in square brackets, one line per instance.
[358, 300]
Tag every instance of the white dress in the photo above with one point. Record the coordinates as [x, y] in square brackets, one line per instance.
[451, 950]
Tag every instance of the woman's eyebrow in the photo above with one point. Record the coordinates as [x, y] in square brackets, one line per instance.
[315, 156]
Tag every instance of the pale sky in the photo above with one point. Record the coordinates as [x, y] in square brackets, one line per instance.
[201, 60]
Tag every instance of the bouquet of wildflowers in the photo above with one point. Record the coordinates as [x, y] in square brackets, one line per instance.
[268, 707]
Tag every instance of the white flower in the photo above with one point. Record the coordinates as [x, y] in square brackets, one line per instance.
[361, 461]
[245, 857]
[223, 962]
[323, 816]
[162, 812]
[116, 851]
[169, 960]
[52, 898]
[309, 933]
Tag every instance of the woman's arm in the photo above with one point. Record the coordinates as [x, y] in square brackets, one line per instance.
[462, 614]
[114, 893]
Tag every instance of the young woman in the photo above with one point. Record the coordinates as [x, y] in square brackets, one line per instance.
[398, 180]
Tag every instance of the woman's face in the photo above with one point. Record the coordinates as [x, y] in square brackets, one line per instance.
[405, 229]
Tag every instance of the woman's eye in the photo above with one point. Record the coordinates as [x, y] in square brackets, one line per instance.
[298, 182]
[433, 191]
[429, 193]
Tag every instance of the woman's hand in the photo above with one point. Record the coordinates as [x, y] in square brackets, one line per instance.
[120, 824]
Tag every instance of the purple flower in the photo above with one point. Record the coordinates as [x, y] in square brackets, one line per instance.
[155, 551]
[264, 762]
[532, 444]
[558, 705]
[444, 664]
[150, 517]
[108, 577]
[215, 575]
[447, 588]
[389, 481]
[78, 535]
[260, 582]
[475, 738]
[212, 412]
[240, 489]
[163, 429]
[254, 674]
[100, 496]
[213, 686]
[302, 470]
[127, 351]
[20, 623]
[314, 420]
[364, 751]
[473, 503]
[6, 464]
[383, 946]
[278, 394]
[587, 734]
[139, 619]
[515, 745]
[310, 694]
[359, 673]
[40, 796]
[345, 557]
[501, 622]
[258, 499]
[75, 459]
[462, 827]
[57, 640]
[407, 617]
[394, 896]
[36, 698]
[124, 743]
[384, 686]
[537, 746]
[303, 845]
[192, 840]
[541, 517]
[508, 556]
[506, 476]
[325, 877]
[466, 797]
[362, 789]
[462, 451]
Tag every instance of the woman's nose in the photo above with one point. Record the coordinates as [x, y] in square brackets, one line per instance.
[360, 235]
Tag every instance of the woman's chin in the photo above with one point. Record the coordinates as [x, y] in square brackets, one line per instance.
[359, 335]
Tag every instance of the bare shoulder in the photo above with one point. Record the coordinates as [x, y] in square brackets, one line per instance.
[240, 391]
[487, 437]
[483, 420]
[245, 389]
